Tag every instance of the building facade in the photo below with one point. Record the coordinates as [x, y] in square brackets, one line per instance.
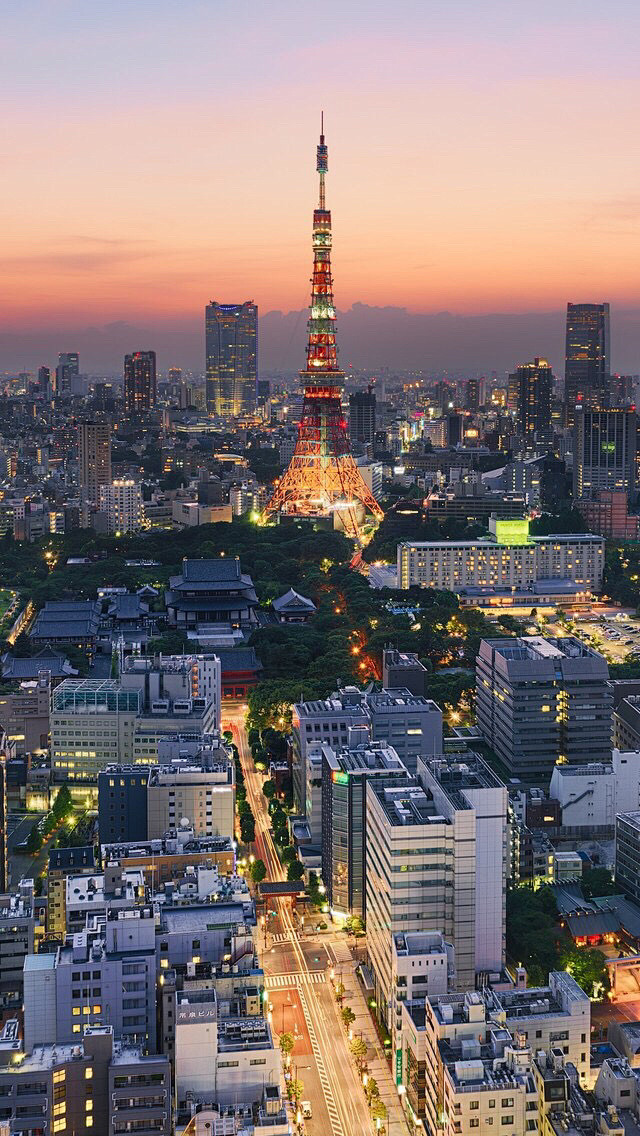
[604, 452]
[122, 503]
[587, 358]
[94, 459]
[139, 382]
[539, 701]
[232, 352]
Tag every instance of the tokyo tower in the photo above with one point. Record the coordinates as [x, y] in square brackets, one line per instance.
[322, 478]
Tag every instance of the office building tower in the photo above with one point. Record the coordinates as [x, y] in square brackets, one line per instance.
[122, 803]
[139, 382]
[175, 375]
[535, 388]
[94, 459]
[474, 392]
[68, 367]
[362, 416]
[403, 670]
[264, 391]
[604, 451]
[539, 701]
[587, 359]
[44, 379]
[232, 358]
[408, 722]
[345, 773]
[628, 854]
[122, 503]
[4, 871]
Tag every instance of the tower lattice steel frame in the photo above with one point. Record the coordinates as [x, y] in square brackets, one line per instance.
[322, 476]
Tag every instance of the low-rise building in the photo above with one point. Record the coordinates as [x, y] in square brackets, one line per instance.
[203, 797]
[96, 1084]
[24, 714]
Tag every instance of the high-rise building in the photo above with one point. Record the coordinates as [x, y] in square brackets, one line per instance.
[474, 394]
[68, 366]
[539, 701]
[362, 416]
[232, 358]
[604, 451]
[175, 375]
[587, 359]
[323, 479]
[122, 502]
[535, 386]
[44, 379]
[139, 382]
[94, 459]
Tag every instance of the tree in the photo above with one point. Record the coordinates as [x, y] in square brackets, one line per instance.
[354, 925]
[269, 789]
[247, 828]
[287, 1042]
[63, 803]
[288, 855]
[378, 1109]
[372, 1089]
[34, 841]
[295, 871]
[295, 1089]
[358, 1049]
[589, 970]
[340, 992]
[597, 882]
[348, 1016]
[258, 871]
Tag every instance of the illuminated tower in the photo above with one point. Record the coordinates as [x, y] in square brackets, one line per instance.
[322, 477]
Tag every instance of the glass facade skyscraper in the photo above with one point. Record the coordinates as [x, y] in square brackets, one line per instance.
[535, 387]
[139, 382]
[587, 359]
[604, 451]
[232, 352]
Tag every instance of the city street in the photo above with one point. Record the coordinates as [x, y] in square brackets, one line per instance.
[297, 978]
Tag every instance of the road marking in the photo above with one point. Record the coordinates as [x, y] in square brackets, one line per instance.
[314, 976]
[337, 1127]
[285, 938]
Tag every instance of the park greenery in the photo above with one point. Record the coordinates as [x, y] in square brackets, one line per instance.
[537, 941]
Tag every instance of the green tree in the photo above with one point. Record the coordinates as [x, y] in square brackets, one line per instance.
[589, 969]
[258, 871]
[247, 828]
[287, 1042]
[597, 882]
[348, 1016]
[269, 789]
[295, 1089]
[340, 992]
[288, 855]
[378, 1109]
[63, 802]
[295, 871]
[358, 1049]
[34, 841]
[372, 1089]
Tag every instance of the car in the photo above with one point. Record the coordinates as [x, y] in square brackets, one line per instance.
[21, 846]
[306, 1109]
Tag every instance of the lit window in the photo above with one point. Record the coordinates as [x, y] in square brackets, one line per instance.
[88, 1074]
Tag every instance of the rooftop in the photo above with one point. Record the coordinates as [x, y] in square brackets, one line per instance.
[405, 804]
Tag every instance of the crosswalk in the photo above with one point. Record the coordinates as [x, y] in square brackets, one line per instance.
[285, 938]
[272, 981]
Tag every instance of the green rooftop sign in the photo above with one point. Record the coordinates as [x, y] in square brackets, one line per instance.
[512, 532]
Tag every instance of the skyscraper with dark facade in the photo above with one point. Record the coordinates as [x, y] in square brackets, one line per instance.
[535, 386]
[362, 416]
[587, 358]
[68, 366]
[604, 451]
[232, 352]
[139, 382]
[94, 459]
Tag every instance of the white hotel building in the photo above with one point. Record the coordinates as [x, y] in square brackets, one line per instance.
[535, 564]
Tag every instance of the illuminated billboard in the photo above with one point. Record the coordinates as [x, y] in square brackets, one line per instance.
[512, 532]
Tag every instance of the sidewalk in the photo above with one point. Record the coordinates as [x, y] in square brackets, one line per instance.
[396, 1123]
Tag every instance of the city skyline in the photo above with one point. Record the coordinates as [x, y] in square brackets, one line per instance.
[464, 126]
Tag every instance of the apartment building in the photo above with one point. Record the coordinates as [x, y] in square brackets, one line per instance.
[97, 1085]
[107, 976]
[539, 701]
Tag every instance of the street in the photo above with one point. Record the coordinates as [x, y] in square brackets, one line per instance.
[298, 972]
